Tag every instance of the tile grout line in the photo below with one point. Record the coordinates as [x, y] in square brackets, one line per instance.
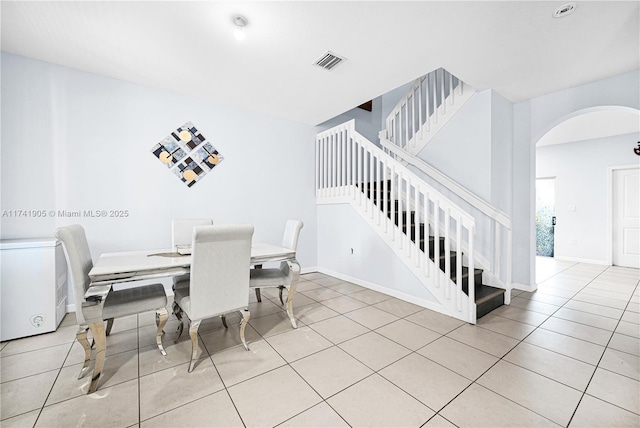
[521, 341]
[598, 364]
[337, 346]
[377, 372]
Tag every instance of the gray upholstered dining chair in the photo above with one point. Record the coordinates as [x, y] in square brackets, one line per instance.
[283, 277]
[219, 279]
[119, 303]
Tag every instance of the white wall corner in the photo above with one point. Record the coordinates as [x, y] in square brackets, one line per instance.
[524, 287]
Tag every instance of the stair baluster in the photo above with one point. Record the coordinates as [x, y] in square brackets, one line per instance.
[413, 218]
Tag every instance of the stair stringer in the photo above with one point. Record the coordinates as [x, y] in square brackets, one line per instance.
[430, 275]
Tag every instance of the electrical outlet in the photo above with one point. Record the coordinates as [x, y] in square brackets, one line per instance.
[573, 242]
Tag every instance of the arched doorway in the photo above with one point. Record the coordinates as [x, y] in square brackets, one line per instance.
[577, 146]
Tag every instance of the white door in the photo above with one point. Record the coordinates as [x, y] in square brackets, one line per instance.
[626, 217]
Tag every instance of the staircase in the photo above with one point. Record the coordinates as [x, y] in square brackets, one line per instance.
[487, 298]
[422, 112]
[467, 272]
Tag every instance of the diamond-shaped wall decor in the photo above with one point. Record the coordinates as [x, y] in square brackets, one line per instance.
[187, 153]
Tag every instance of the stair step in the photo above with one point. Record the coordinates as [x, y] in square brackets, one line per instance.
[391, 205]
[484, 293]
[403, 215]
[375, 184]
[412, 231]
[465, 275]
[432, 244]
[487, 298]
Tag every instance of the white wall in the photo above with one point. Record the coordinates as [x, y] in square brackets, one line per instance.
[340, 229]
[581, 170]
[367, 122]
[474, 149]
[370, 123]
[523, 197]
[462, 149]
[501, 152]
[547, 111]
[78, 141]
[532, 119]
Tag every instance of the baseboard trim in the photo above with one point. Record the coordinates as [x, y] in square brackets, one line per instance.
[308, 270]
[523, 287]
[434, 306]
[579, 260]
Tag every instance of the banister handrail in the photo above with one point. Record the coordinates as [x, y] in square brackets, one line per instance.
[350, 168]
[469, 197]
[363, 141]
[431, 101]
[403, 205]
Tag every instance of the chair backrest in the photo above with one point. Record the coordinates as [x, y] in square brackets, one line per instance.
[220, 263]
[76, 250]
[291, 233]
[182, 230]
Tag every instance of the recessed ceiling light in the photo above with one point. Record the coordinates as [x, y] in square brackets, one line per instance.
[240, 22]
[564, 10]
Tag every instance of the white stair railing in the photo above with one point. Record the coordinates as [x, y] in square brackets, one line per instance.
[430, 102]
[349, 168]
[497, 262]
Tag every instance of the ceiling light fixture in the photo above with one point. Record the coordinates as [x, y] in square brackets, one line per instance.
[240, 22]
[564, 10]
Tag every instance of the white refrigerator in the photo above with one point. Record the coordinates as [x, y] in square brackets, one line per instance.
[33, 287]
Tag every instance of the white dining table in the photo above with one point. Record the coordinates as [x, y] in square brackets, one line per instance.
[131, 266]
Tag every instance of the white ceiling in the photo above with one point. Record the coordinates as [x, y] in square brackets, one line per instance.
[514, 47]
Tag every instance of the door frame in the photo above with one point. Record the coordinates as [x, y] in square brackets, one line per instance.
[610, 191]
[535, 182]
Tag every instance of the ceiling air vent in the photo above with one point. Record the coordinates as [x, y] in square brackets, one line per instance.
[328, 61]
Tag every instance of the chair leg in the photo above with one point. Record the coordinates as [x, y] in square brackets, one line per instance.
[258, 294]
[81, 337]
[281, 288]
[290, 293]
[162, 316]
[97, 330]
[177, 311]
[193, 332]
[245, 319]
[224, 321]
[109, 326]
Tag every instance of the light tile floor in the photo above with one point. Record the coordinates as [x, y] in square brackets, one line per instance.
[566, 355]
